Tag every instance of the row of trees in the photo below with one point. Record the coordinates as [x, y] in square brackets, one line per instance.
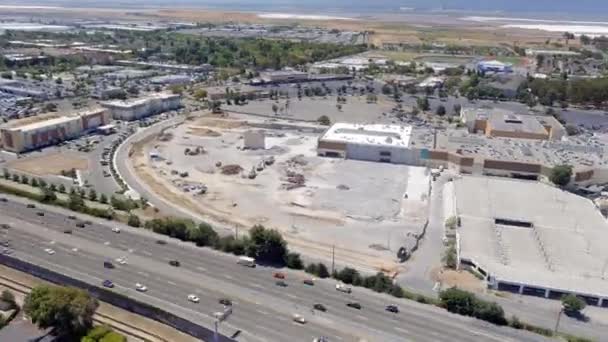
[580, 91]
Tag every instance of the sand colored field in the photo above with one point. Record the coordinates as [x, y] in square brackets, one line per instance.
[50, 164]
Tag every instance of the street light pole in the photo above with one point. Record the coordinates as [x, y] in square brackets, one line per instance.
[559, 316]
[333, 258]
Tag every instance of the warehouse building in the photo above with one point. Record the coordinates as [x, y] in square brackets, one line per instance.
[380, 143]
[549, 245]
[502, 123]
[284, 76]
[142, 107]
[24, 135]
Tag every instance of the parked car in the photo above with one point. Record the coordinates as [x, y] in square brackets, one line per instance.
[279, 275]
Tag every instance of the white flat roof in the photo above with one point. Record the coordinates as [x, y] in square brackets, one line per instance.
[45, 123]
[139, 101]
[564, 250]
[381, 135]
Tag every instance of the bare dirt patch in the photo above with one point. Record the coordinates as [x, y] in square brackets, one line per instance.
[202, 131]
[219, 123]
[461, 279]
[50, 164]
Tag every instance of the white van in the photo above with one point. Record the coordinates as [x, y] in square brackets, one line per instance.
[246, 261]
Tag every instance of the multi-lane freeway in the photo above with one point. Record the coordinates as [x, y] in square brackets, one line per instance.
[262, 311]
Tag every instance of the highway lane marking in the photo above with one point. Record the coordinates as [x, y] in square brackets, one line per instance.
[257, 285]
[202, 269]
[228, 276]
[143, 273]
[292, 296]
[263, 312]
[146, 253]
[405, 331]
[171, 283]
[363, 318]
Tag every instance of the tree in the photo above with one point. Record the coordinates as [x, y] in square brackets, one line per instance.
[8, 297]
[177, 89]
[293, 260]
[458, 301]
[7, 174]
[92, 195]
[324, 120]
[62, 188]
[457, 109]
[75, 202]
[322, 271]
[134, 221]
[48, 195]
[24, 179]
[68, 310]
[275, 108]
[268, 245]
[450, 257]
[440, 110]
[561, 175]
[572, 304]
[423, 103]
[34, 182]
[200, 94]
[203, 235]
[348, 275]
[103, 198]
[53, 187]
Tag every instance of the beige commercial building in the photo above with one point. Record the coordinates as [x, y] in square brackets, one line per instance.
[25, 135]
[139, 108]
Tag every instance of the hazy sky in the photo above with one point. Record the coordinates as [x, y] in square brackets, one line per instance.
[593, 7]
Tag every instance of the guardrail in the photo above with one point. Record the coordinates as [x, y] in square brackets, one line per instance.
[116, 299]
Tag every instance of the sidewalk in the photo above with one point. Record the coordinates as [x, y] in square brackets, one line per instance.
[137, 328]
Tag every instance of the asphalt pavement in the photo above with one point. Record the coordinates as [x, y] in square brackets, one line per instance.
[262, 310]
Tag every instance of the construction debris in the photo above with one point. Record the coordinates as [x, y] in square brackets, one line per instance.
[231, 169]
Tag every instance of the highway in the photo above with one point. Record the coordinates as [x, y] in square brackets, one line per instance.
[262, 310]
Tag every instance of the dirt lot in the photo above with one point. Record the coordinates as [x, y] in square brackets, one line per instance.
[316, 202]
[50, 164]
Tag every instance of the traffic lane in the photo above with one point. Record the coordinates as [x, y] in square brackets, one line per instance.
[317, 295]
[363, 319]
[125, 278]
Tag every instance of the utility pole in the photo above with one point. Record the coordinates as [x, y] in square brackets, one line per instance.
[333, 258]
[559, 316]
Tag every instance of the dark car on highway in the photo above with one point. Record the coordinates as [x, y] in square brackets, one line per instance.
[67, 231]
[392, 308]
[2, 199]
[5, 226]
[80, 224]
[40, 213]
[309, 282]
[72, 217]
[174, 263]
[108, 264]
[108, 283]
[31, 206]
[226, 302]
[161, 242]
[281, 283]
[319, 307]
[354, 305]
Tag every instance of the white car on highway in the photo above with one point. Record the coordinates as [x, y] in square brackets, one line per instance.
[121, 260]
[49, 251]
[193, 298]
[116, 230]
[343, 288]
[141, 288]
[299, 319]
